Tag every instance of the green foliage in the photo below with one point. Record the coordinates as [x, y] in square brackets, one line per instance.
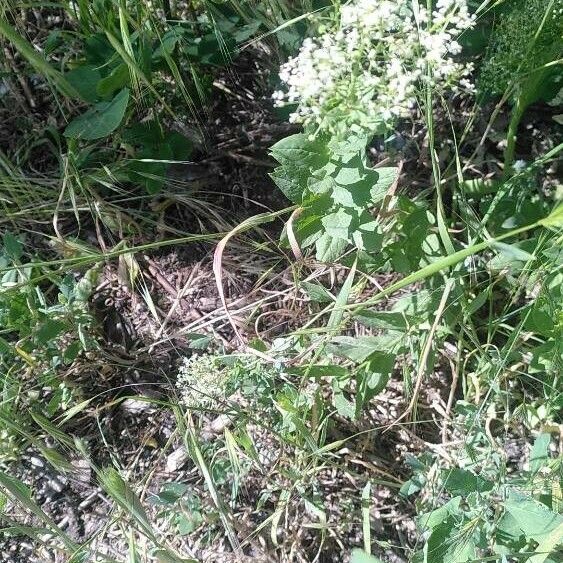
[117, 63]
[436, 275]
[100, 120]
[526, 37]
[491, 510]
[330, 180]
[40, 335]
[181, 507]
[523, 60]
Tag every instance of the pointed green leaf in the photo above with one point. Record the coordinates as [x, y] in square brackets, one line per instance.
[100, 120]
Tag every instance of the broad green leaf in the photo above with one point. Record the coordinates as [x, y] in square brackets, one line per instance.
[321, 185]
[322, 370]
[169, 494]
[100, 120]
[532, 517]
[168, 42]
[337, 224]
[385, 177]
[479, 186]
[350, 173]
[198, 340]
[368, 236]
[460, 550]
[462, 482]
[361, 348]
[372, 378]
[49, 330]
[85, 79]
[329, 249]
[554, 219]
[298, 150]
[317, 292]
[350, 146]
[342, 404]
[509, 253]
[547, 545]
[343, 195]
[12, 246]
[98, 50]
[539, 455]
[382, 319]
[146, 134]
[180, 146]
[117, 79]
[291, 189]
[431, 520]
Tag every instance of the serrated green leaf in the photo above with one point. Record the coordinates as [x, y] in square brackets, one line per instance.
[290, 188]
[298, 150]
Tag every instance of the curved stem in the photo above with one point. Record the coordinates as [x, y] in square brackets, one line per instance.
[515, 118]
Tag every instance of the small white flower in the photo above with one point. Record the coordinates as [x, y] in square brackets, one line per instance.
[374, 60]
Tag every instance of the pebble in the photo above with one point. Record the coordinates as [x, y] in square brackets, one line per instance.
[176, 459]
[36, 462]
[135, 406]
[55, 485]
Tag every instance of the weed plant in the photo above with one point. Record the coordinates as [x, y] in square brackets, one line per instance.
[448, 295]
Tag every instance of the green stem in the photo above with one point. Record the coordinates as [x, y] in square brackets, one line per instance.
[515, 118]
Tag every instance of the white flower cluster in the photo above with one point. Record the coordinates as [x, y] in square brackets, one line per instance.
[202, 382]
[367, 71]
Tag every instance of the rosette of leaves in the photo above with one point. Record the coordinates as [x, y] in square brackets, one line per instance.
[329, 179]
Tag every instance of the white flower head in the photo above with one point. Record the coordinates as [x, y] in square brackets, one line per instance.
[369, 67]
[202, 381]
